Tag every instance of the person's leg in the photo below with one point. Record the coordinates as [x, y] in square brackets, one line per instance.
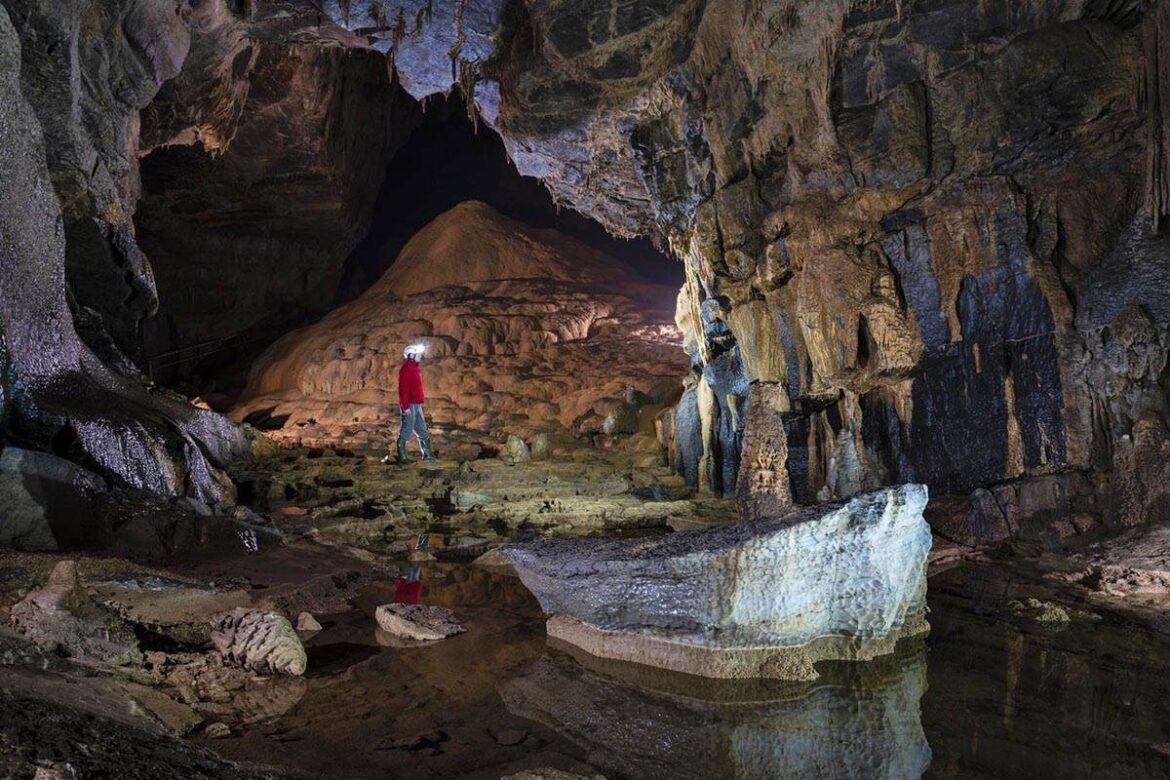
[406, 429]
[420, 430]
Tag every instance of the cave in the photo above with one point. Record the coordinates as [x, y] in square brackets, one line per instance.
[525, 389]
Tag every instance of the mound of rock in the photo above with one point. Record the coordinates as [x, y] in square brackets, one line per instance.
[46, 499]
[264, 642]
[760, 599]
[526, 331]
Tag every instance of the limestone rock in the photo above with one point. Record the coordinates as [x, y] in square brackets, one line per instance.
[496, 560]
[217, 730]
[306, 623]
[46, 500]
[515, 450]
[263, 642]
[527, 331]
[229, 693]
[180, 612]
[61, 616]
[67, 215]
[761, 489]
[207, 189]
[417, 622]
[762, 599]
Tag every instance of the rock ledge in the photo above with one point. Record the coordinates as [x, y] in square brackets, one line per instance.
[766, 599]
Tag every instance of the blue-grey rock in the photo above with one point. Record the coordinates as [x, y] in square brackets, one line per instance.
[755, 599]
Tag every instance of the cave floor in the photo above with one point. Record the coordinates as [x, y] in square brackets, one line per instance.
[1025, 672]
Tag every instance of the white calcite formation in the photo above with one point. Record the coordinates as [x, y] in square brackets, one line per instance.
[263, 642]
[755, 599]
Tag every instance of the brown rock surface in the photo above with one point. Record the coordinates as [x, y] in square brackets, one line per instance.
[62, 617]
[939, 225]
[526, 331]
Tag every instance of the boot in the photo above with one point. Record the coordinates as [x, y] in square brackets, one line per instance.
[402, 459]
[428, 453]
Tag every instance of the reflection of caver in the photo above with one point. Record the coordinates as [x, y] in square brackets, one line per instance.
[410, 404]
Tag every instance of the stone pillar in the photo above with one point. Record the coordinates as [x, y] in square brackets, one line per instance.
[762, 489]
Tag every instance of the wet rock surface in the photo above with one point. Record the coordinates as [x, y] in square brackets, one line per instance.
[45, 500]
[753, 599]
[55, 387]
[414, 621]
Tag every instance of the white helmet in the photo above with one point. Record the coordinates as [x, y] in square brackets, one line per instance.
[414, 351]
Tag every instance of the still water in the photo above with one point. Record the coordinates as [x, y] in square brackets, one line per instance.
[987, 695]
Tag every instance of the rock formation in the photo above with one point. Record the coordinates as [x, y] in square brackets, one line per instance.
[261, 161]
[61, 152]
[754, 599]
[263, 642]
[417, 622]
[926, 220]
[526, 331]
[938, 226]
[44, 500]
[62, 617]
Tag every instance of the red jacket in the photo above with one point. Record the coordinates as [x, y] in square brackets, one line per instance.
[410, 386]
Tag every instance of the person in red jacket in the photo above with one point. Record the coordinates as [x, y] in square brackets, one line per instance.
[410, 403]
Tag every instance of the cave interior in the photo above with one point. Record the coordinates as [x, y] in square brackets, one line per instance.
[796, 374]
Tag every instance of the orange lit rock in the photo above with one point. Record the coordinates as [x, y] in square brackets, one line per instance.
[527, 331]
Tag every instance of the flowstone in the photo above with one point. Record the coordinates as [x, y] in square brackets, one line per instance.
[765, 599]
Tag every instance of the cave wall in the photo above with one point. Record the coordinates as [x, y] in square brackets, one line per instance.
[939, 224]
[262, 161]
[57, 394]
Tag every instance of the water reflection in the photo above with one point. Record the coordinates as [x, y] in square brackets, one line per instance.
[1015, 698]
[858, 720]
[991, 696]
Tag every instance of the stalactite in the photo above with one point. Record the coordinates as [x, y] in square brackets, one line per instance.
[1154, 98]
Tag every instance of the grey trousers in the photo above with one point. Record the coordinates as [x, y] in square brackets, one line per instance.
[414, 424]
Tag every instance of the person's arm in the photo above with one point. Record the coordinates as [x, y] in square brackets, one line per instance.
[403, 391]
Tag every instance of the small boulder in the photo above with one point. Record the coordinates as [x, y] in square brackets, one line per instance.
[306, 623]
[515, 450]
[218, 730]
[495, 560]
[263, 642]
[417, 622]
